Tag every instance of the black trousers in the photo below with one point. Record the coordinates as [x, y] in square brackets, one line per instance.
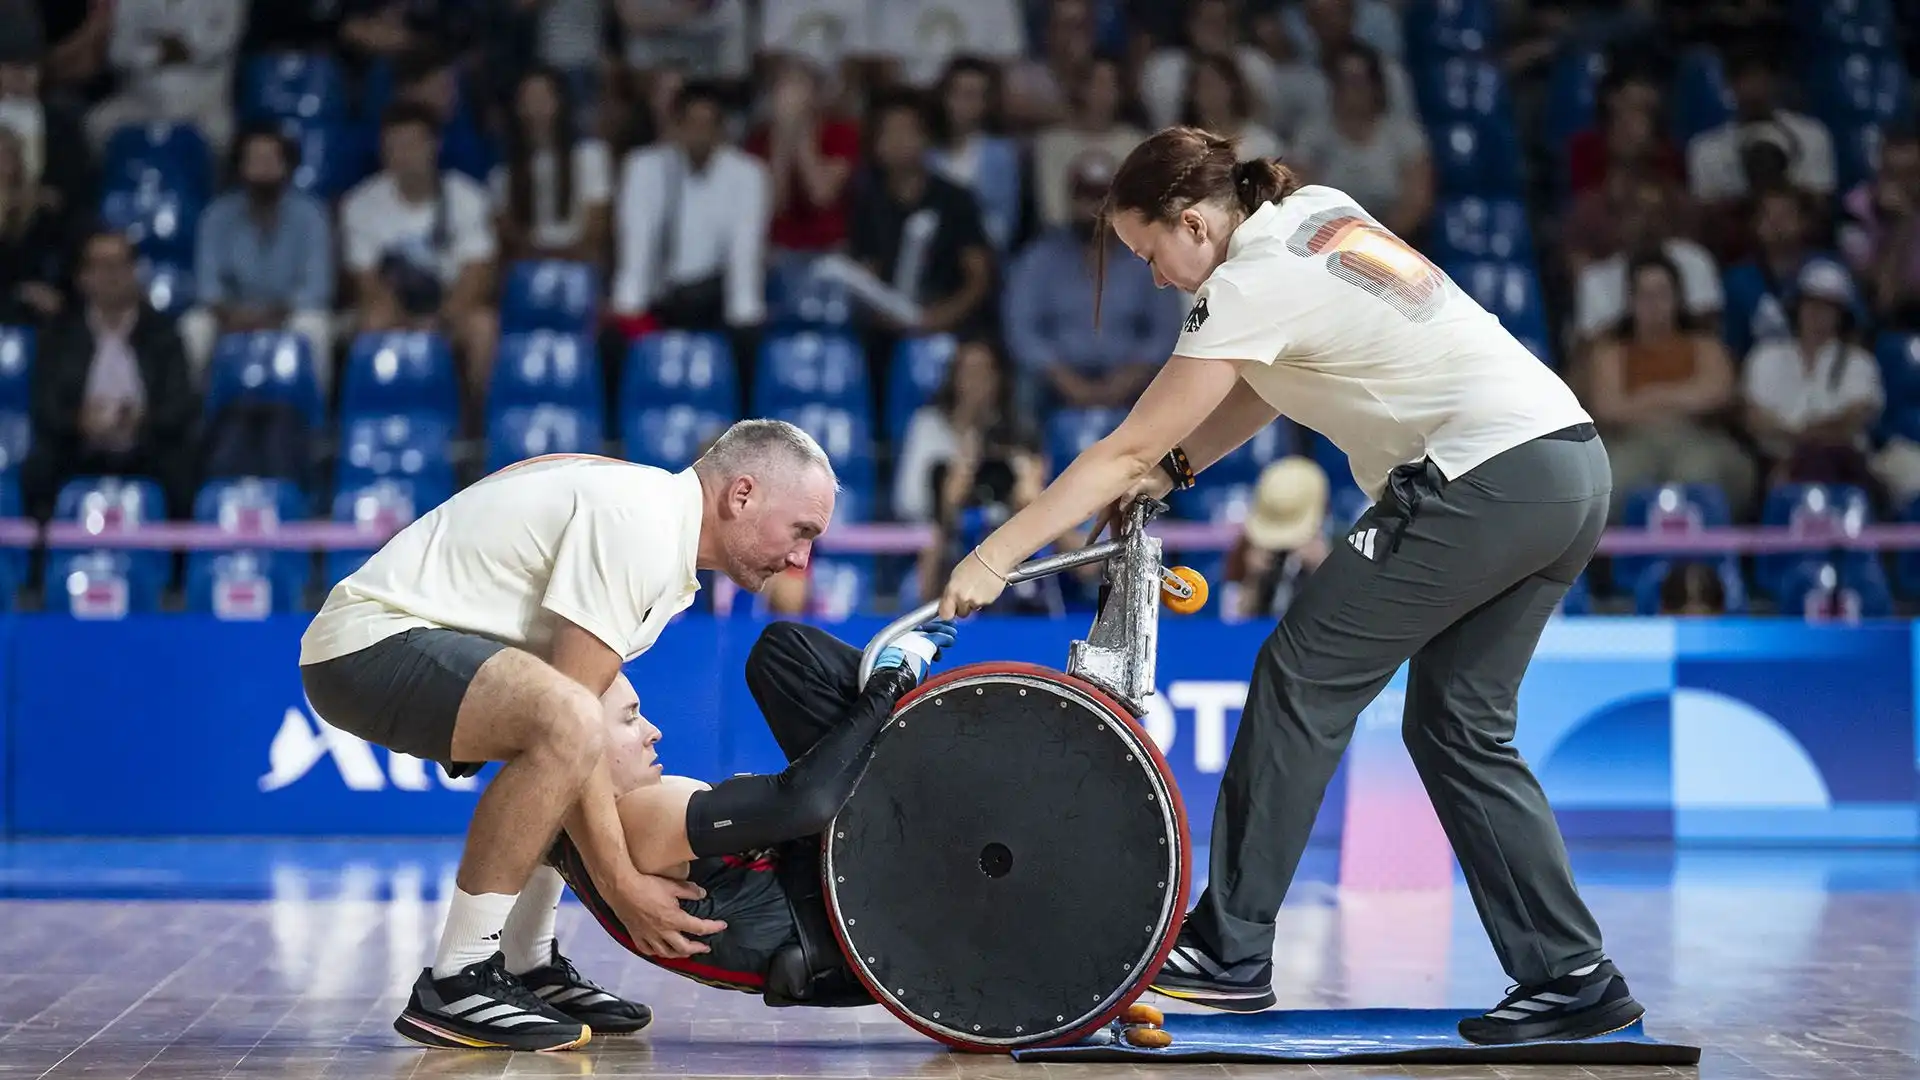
[804, 680]
[1459, 577]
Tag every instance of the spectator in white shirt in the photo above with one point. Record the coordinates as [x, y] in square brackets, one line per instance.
[1317, 26]
[1100, 130]
[1812, 398]
[1645, 229]
[420, 245]
[1761, 145]
[553, 193]
[1212, 27]
[175, 61]
[692, 221]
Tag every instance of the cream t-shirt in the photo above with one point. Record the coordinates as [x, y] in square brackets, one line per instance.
[1353, 333]
[605, 544]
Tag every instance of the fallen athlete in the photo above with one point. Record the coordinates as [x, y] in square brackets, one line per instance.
[752, 841]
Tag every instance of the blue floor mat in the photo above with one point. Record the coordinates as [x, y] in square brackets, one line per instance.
[1359, 1036]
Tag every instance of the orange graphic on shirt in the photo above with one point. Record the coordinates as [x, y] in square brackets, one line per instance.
[1365, 255]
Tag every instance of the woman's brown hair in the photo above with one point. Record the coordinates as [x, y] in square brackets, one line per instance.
[1180, 167]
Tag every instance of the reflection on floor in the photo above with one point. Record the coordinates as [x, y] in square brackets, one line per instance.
[174, 959]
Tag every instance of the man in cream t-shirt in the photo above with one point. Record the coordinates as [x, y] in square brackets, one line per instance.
[487, 631]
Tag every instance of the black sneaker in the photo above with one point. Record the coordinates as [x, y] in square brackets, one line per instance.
[484, 1008]
[563, 988]
[1192, 974]
[1570, 1007]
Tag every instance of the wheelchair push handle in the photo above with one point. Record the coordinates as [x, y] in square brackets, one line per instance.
[1027, 571]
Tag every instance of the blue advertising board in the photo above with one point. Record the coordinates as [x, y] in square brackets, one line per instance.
[1735, 730]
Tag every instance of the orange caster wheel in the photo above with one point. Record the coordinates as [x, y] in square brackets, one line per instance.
[1151, 1038]
[1142, 1013]
[1183, 590]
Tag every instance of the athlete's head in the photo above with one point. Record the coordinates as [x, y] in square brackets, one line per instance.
[769, 492]
[1178, 197]
[631, 760]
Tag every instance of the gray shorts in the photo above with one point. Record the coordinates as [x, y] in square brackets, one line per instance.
[402, 692]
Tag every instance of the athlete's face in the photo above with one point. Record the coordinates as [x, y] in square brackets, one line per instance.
[1182, 252]
[769, 524]
[631, 759]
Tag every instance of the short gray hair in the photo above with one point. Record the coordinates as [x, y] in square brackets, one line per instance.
[763, 447]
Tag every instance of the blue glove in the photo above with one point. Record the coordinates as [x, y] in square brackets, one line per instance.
[917, 649]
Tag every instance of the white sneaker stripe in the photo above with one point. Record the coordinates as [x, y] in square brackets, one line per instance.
[523, 1018]
[1508, 1014]
[468, 1004]
[485, 1016]
[1532, 1005]
[1200, 961]
[570, 993]
[1556, 999]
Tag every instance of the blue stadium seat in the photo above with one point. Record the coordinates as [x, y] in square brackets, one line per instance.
[169, 286]
[17, 344]
[1224, 502]
[1347, 502]
[265, 365]
[527, 431]
[1465, 88]
[1453, 26]
[1653, 578]
[846, 434]
[388, 504]
[173, 157]
[1856, 150]
[247, 584]
[1510, 290]
[919, 368]
[1860, 87]
[1473, 228]
[1899, 356]
[400, 446]
[1671, 510]
[400, 373]
[1869, 25]
[550, 294]
[1475, 159]
[282, 85]
[161, 222]
[16, 439]
[1701, 97]
[334, 156]
[1573, 93]
[1907, 563]
[103, 585]
[811, 366]
[547, 368]
[1823, 591]
[105, 504]
[798, 298]
[681, 367]
[1332, 460]
[1070, 431]
[670, 436]
[1815, 511]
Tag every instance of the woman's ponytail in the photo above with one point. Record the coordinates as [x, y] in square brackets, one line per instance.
[1259, 181]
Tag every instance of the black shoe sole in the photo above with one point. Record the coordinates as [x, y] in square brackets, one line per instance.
[1589, 1024]
[435, 1031]
[1241, 1001]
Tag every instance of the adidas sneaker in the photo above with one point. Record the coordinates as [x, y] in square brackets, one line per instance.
[1570, 1007]
[561, 986]
[1192, 974]
[484, 1008]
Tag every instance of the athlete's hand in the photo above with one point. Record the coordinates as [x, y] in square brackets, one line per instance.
[917, 649]
[649, 907]
[972, 586]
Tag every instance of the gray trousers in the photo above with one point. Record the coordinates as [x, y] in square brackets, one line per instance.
[1459, 577]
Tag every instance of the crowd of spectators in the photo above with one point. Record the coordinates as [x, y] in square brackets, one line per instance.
[1712, 236]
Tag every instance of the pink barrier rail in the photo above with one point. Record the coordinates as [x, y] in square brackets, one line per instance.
[911, 539]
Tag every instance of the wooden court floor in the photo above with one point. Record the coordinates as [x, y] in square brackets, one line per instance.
[168, 961]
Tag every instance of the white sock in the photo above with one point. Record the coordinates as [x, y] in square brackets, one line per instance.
[527, 938]
[1588, 970]
[473, 930]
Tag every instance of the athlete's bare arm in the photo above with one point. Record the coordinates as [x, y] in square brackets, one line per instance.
[655, 820]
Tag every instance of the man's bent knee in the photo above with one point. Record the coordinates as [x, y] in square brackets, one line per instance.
[780, 644]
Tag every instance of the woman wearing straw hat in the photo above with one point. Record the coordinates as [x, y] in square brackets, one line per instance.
[1281, 541]
[1491, 489]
